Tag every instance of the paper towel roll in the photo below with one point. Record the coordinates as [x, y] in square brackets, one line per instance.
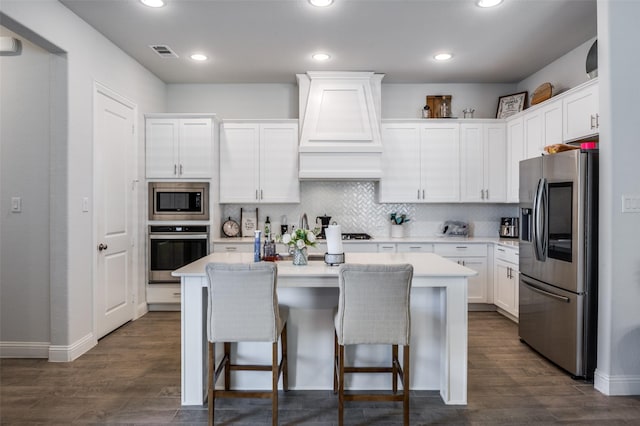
[334, 239]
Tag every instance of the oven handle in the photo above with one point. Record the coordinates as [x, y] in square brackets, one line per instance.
[178, 237]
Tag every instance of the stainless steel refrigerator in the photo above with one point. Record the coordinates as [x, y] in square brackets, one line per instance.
[559, 258]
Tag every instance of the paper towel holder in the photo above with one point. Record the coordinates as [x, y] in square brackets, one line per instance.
[333, 259]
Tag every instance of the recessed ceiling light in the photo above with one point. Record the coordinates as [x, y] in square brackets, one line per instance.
[199, 57]
[488, 3]
[153, 3]
[320, 56]
[321, 3]
[443, 56]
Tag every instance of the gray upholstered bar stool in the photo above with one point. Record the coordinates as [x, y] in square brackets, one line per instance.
[243, 307]
[373, 308]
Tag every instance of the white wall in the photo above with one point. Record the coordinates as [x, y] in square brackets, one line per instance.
[618, 370]
[24, 166]
[90, 57]
[564, 73]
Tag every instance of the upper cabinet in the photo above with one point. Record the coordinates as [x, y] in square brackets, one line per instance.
[581, 112]
[179, 147]
[515, 154]
[483, 162]
[340, 125]
[420, 162]
[259, 162]
[542, 127]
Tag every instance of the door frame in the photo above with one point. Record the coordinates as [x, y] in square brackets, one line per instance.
[98, 89]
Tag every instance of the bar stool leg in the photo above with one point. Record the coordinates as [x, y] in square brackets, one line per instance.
[335, 363]
[211, 397]
[394, 367]
[405, 383]
[274, 384]
[341, 385]
[285, 359]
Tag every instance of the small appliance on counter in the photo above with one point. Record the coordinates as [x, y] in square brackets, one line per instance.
[509, 227]
[454, 228]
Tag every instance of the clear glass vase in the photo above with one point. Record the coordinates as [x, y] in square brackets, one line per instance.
[300, 256]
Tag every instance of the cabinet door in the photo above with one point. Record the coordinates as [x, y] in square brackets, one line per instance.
[515, 153]
[195, 148]
[472, 163]
[580, 111]
[552, 122]
[239, 157]
[506, 283]
[533, 137]
[477, 290]
[386, 248]
[279, 163]
[414, 248]
[161, 145]
[400, 163]
[495, 157]
[440, 160]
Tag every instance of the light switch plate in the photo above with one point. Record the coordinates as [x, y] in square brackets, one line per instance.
[630, 203]
[16, 204]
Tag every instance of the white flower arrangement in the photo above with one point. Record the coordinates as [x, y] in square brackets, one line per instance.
[300, 238]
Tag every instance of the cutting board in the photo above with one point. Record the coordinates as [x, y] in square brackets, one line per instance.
[542, 93]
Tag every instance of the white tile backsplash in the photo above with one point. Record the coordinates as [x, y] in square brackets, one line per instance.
[354, 206]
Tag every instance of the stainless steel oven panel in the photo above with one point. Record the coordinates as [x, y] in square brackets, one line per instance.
[179, 187]
[550, 321]
[162, 274]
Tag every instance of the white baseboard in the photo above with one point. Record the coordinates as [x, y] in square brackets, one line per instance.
[141, 309]
[616, 385]
[59, 353]
[24, 349]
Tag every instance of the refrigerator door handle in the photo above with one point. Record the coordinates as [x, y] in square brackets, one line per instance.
[539, 207]
[546, 293]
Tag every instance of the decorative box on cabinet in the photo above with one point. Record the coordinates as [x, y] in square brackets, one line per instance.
[483, 162]
[505, 292]
[580, 109]
[259, 162]
[179, 147]
[473, 256]
[420, 162]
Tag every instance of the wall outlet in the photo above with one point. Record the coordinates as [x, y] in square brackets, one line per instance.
[630, 203]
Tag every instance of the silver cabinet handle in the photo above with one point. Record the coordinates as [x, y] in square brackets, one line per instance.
[418, 195]
[175, 169]
[597, 121]
[482, 194]
[423, 197]
[487, 194]
[261, 194]
[501, 249]
[231, 248]
[176, 294]
[180, 169]
[256, 194]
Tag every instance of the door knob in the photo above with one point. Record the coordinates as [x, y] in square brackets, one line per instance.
[102, 247]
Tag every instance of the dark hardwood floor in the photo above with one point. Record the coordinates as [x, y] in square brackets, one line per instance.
[133, 377]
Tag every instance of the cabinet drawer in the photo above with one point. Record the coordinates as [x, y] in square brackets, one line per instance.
[163, 293]
[507, 254]
[386, 248]
[233, 248]
[414, 248]
[461, 249]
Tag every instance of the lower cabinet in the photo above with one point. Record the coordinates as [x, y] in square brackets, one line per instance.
[473, 256]
[163, 296]
[505, 286]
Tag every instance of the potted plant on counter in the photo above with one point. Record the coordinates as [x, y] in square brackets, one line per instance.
[397, 220]
[298, 241]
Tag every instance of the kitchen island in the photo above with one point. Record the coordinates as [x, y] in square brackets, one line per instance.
[438, 327]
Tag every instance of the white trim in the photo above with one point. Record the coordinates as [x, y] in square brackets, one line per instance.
[141, 309]
[616, 385]
[24, 349]
[60, 353]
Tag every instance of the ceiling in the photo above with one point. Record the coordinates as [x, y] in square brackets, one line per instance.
[269, 41]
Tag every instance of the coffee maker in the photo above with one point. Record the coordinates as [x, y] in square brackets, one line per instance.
[509, 227]
[324, 221]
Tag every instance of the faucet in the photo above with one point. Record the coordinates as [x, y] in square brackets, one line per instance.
[304, 222]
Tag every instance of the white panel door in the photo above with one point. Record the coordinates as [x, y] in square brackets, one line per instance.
[440, 154]
[239, 157]
[400, 163]
[196, 141]
[114, 148]
[161, 141]
[279, 163]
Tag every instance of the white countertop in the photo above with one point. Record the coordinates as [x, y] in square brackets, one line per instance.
[507, 242]
[424, 265]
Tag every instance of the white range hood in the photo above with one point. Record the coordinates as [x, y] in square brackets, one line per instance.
[340, 135]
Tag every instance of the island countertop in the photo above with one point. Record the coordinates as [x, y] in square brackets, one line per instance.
[424, 265]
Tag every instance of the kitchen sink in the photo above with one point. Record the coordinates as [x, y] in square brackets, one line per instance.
[312, 256]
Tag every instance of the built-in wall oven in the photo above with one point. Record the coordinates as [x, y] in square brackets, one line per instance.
[173, 246]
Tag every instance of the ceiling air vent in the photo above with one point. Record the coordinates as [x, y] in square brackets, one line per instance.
[163, 50]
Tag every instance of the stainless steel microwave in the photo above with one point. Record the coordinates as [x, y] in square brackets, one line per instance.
[178, 201]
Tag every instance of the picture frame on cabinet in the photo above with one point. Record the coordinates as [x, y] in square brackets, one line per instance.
[509, 105]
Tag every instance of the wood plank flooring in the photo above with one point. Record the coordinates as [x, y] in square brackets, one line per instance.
[133, 378]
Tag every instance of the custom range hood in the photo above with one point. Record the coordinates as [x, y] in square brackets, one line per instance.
[340, 135]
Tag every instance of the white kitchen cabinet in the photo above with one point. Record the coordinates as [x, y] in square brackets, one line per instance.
[387, 248]
[179, 147]
[414, 248]
[580, 109]
[259, 162]
[473, 256]
[420, 162]
[515, 154]
[483, 162]
[163, 294]
[542, 127]
[233, 247]
[505, 292]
